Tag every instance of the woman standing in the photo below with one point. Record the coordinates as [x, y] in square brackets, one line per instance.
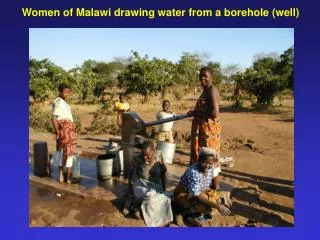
[65, 129]
[165, 129]
[206, 129]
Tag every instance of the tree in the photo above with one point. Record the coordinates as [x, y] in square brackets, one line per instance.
[203, 56]
[106, 76]
[44, 78]
[286, 66]
[147, 77]
[261, 55]
[238, 79]
[217, 72]
[187, 69]
[264, 81]
[229, 71]
[84, 79]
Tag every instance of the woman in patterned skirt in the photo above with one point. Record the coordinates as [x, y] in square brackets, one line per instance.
[65, 129]
[206, 129]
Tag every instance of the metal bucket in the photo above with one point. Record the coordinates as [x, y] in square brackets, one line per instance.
[104, 166]
[168, 150]
[118, 166]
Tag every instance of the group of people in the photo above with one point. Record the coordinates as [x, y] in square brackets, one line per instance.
[197, 195]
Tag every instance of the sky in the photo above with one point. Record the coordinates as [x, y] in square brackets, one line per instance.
[69, 47]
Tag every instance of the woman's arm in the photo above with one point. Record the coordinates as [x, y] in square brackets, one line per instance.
[222, 209]
[216, 183]
[55, 125]
[214, 96]
[197, 113]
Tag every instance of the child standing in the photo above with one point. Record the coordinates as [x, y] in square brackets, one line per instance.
[165, 129]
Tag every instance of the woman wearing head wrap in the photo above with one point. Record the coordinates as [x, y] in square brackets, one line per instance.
[197, 193]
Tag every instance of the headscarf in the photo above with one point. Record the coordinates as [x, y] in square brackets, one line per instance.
[205, 151]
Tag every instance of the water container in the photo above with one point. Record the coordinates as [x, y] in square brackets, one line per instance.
[120, 155]
[104, 166]
[56, 159]
[111, 145]
[76, 167]
[41, 157]
[168, 150]
[117, 168]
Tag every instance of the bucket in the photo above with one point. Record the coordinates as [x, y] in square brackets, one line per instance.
[168, 150]
[76, 167]
[111, 145]
[104, 166]
[117, 168]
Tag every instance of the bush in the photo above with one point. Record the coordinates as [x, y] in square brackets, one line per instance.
[77, 122]
[40, 89]
[42, 120]
[104, 122]
[39, 119]
[178, 94]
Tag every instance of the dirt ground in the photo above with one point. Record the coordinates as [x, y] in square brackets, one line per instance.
[262, 145]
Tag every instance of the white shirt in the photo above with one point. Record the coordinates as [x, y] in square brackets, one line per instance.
[165, 127]
[62, 110]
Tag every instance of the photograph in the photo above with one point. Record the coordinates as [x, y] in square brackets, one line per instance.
[161, 127]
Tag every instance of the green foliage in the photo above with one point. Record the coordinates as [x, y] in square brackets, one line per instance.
[84, 79]
[187, 69]
[106, 74]
[286, 67]
[87, 81]
[265, 79]
[269, 75]
[147, 77]
[44, 78]
[40, 89]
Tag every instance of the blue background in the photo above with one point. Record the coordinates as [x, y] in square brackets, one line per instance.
[14, 205]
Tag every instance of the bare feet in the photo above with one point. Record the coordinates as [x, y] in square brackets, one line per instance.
[61, 178]
[179, 220]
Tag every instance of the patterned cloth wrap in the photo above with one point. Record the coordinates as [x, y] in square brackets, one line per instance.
[67, 139]
[204, 132]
